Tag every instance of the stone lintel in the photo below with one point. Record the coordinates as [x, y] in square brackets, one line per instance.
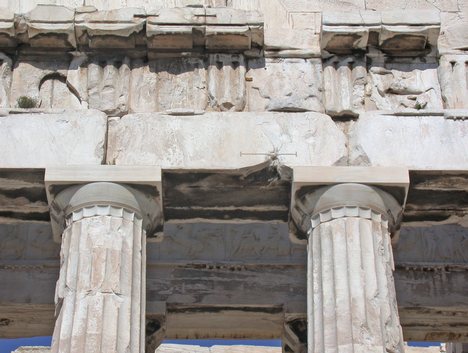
[321, 189]
[138, 188]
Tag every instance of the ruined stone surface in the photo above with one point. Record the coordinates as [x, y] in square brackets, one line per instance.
[31, 140]
[100, 291]
[227, 141]
[181, 83]
[290, 85]
[7, 26]
[424, 141]
[453, 73]
[109, 85]
[402, 87]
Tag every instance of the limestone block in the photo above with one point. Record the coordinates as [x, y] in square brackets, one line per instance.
[226, 82]
[181, 83]
[7, 26]
[344, 80]
[52, 138]
[297, 6]
[51, 26]
[5, 80]
[403, 86]
[44, 83]
[110, 29]
[32, 349]
[150, 5]
[224, 140]
[407, 32]
[453, 73]
[285, 85]
[345, 32]
[416, 141]
[109, 84]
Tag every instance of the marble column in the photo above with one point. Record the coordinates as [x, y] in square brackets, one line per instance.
[351, 294]
[100, 294]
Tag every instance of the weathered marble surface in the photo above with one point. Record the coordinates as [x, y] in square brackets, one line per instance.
[424, 141]
[291, 85]
[453, 73]
[32, 140]
[227, 140]
[100, 295]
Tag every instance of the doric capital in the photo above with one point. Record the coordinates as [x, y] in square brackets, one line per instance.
[320, 194]
[82, 191]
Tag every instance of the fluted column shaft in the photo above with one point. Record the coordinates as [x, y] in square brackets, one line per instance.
[351, 295]
[100, 294]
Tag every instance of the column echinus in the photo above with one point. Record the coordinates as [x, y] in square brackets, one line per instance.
[102, 216]
[348, 216]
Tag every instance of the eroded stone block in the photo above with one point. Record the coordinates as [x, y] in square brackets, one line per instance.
[453, 35]
[51, 26]
[226, 82]
[44, 84]
[403, 86]
[453, 76]
[344, 81]
[285, 85]
[5, 80]
[181, 83]
[227, 140]
[109, 84]
[416, 141]
[52, 139]
[110, 29]
[144, 87]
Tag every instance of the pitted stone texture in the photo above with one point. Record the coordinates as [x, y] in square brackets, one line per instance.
[181, 83]
[44, 83]
[52, 138]
[100, 293]
[423, 141]
[216, 140]
[453, 77]
[351, 293]
[344, 81]
[292, 85]
[5, 80]
[403, 87]
[109, 85]
[226, 82]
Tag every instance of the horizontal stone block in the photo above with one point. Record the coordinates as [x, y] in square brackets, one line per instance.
[417, 141]
[7, 27]
[109, 29]
[227, 140]
[51, 26]
[52, 138]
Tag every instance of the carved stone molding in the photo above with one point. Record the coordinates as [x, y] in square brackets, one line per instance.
[99, 190]
[320, 194]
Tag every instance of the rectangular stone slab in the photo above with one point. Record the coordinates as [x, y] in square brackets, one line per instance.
[52, 138]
